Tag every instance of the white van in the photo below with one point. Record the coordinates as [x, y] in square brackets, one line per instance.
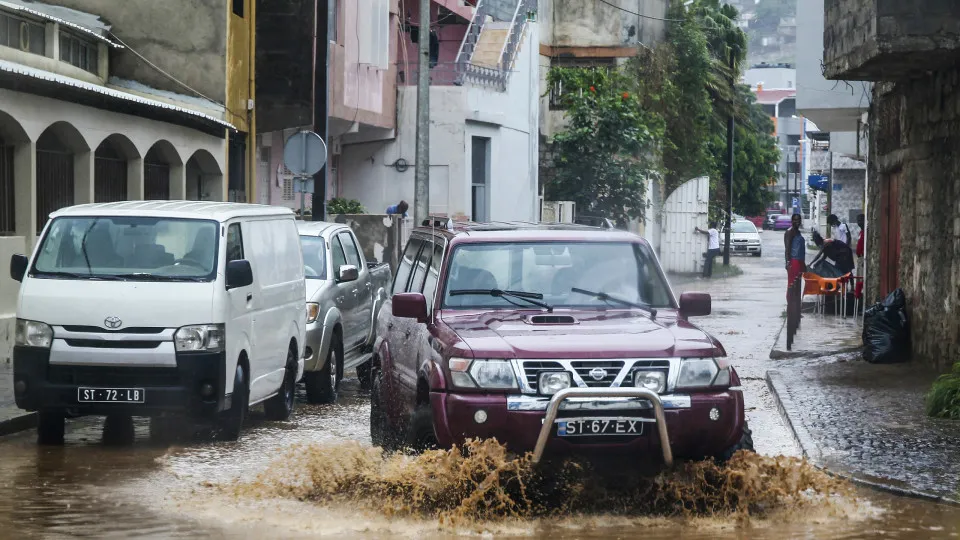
[164, 309]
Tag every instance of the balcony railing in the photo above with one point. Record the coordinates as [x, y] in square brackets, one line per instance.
[449, 74]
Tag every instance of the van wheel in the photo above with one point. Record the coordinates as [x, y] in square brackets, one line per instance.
[233, 419]
[50, 427]
[745, 443]
[280, 406]
[421, 435]
[381, 433]
[322, 385]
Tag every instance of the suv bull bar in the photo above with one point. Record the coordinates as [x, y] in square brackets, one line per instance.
[554, 407]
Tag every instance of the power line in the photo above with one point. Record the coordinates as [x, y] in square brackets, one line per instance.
[625, 10]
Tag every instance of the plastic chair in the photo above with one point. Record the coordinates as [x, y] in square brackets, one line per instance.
[832, 287]
[812, 287]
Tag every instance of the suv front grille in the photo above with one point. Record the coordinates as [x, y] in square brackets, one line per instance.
[590, 373]
[598, 374]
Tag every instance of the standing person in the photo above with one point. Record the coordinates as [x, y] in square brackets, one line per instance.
[400, 208]
[858, 288]
[796, 256]
[713, 248]
[840, 231]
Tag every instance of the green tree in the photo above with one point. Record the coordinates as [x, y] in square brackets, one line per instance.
[609, 147]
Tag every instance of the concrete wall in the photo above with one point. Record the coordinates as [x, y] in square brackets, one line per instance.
[575, 23]
[916, 134]
[187, 39]
[458, 113]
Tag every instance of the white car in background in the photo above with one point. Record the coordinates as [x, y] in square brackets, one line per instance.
[745, 238]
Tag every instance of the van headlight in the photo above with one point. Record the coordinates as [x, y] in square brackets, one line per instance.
[199, 338]
[702, 373]
[33, 334]
[491, 374]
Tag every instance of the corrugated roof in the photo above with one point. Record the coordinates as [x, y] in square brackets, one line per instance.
[20, 69]
[773, 97]
[62, 16]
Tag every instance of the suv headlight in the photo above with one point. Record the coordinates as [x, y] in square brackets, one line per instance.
[199, 337]
[702, 373]
[313, 311]
[33, 334]
[493, 374]
[655, 381]
[551, 382]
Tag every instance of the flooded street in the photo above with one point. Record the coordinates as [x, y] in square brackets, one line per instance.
[230, 490]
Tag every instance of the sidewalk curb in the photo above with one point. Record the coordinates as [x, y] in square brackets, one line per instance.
[18, 423]
[789, 355]
[814, 454]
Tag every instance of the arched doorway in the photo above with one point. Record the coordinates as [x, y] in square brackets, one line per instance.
[158, 164]
[204, 177]
[57, 149]
[12, 135]
[111, 165]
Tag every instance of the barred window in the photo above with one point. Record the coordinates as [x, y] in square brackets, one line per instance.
[22, 34]
[79, 52]
[288, 194]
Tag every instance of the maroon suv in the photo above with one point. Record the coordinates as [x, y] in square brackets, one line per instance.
[551, 339]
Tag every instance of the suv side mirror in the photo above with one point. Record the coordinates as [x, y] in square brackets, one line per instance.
[347, 273]
[18, 267]
[410, 306]
[693, 304]
[239, 274]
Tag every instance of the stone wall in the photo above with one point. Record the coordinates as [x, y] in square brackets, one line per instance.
[848, 196]
[916, 123]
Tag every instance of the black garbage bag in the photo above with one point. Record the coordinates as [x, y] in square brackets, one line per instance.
[886, 331]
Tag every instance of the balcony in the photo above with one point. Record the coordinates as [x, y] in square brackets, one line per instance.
[889, 40]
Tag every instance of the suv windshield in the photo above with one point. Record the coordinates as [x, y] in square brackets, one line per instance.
[743, 227]
[626, 271]
[130, 248]
[314, 257]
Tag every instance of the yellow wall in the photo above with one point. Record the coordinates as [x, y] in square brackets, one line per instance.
[241, 37]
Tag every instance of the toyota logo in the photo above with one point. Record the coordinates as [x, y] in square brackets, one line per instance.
[598, 374]
[113, 323]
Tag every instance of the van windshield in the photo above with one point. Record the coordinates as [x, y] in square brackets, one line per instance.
[129, 248]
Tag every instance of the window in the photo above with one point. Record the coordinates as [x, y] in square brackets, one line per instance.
[339, 258]
[238, 8]
[236, 157]
[373, 29]
[406, 265]
[22, 34]
[793, 167]
[8, 222]
[433, 276]
[557, 92]
[480, 173]
[79, 52]
[350, 248]
[420, 270]
[334, 23]
[234, 243]
[288, 191]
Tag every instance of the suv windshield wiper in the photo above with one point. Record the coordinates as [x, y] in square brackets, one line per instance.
[532, 298]
[607, 298]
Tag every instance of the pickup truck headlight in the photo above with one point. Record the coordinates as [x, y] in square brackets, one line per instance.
[313, 311]
[33, 334]
[199, 337]
[491, 374]
[702, 373]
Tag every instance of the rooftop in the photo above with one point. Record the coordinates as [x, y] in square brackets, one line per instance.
[774, 97]
[80, 21]
[219, 211]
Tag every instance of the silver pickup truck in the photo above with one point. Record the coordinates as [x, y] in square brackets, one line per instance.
[344, 295]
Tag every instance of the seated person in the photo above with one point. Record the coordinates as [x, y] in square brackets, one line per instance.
[834, 260]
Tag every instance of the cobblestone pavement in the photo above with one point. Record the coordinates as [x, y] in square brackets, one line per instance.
[868, 421]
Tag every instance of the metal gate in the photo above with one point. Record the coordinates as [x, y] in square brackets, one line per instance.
[156, 181]
[54, 183]
[110, 179]
[681, 247]
[8, 221]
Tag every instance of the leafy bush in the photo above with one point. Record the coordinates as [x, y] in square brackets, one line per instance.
[943, 400]
[345, 206]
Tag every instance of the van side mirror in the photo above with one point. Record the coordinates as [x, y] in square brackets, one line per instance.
[694, 304]
[410, 306]
[18, 267]
[347, 273]
[239, 274]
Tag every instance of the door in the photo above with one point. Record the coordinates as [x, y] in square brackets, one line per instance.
[346, 299]
[362, 293]
[239, 335]
[403, 380]
[480, 179]
[681, 247]
[890, 234]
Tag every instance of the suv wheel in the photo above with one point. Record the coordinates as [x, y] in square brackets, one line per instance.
[421, 435]
[322, 385]
[381, 433]
[745, 443]
[280, 406]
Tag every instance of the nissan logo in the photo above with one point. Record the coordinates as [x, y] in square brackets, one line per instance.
[113, 323]
[598, 374]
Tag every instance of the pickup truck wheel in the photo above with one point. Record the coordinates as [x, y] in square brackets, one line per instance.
[50, 427]
[421, 436]
[745, 443]
[322, 385]
[381, 434]
[280, 406]
[232, 420]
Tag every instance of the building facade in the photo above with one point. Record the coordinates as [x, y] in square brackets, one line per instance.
[909, 51]
[92, 111]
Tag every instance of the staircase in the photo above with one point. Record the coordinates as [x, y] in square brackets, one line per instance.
[489, 49]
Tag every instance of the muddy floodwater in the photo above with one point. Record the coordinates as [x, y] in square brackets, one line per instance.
[318, 475]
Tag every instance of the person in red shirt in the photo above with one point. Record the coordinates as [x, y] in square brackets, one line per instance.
[858, 289]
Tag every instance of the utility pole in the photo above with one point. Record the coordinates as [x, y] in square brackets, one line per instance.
[321, 103]
[730, 132]
[830, 195]
[421, 201]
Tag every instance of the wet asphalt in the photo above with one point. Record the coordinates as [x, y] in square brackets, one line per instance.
[91, 489]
